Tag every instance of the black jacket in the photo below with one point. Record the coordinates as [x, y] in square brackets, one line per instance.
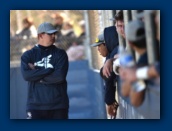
[47, 85]
[111, 40]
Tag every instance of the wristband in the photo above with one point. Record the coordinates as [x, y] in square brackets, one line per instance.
[116, 62]
[142, 73]
[116, 66]
[138, 86]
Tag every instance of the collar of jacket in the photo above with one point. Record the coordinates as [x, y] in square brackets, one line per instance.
[44, 47]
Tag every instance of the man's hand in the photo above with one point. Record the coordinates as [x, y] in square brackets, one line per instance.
[108, 67]
[31, 66]
[110, 110]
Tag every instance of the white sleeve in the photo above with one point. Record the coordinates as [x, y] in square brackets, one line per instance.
[116, 65]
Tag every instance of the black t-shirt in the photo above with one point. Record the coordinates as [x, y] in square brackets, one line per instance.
[143, 60]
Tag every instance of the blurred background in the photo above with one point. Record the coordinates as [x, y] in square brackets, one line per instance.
[78, 30]
[74, 23]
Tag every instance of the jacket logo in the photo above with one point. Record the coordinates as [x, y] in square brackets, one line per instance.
[44, 62]
[29, 115]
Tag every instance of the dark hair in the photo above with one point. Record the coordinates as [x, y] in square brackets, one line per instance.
[28, 20]
[104, 43]
[119, 16]
[140, 32]
[140, 43]
[58, 16]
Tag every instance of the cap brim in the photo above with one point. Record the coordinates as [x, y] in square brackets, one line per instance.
[96, 44]
[51, 31]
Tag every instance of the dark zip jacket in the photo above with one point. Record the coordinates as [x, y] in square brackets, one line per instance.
[111, 41]
[47, 85]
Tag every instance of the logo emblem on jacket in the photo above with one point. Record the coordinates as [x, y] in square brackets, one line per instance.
[44, 62]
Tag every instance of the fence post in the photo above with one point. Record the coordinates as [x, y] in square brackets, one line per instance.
[19, 23]
[151, 43]
[87, 39]
[127, 18]
[134, 14]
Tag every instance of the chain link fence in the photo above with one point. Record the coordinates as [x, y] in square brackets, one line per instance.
[94, 26]
[98, 20]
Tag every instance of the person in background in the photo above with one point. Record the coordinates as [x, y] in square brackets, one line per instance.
[82, 36]
[146, 72]
[67, 36]
[29, 30]
[135, 33]
[58, 22]
[75, 52]
[67, 30]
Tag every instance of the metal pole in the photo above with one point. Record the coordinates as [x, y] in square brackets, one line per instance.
[113, 13]
[87, 39]
[122, 41]
[127, 18]
[158, 28]
[101, 20]
[134, 17]
[19, 23]
[109, 16]
[150, 37]
[134, 14]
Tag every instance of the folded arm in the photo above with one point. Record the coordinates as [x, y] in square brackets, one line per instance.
[30, 74]
[60, 71]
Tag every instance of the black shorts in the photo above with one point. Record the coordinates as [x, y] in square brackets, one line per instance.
[48, 114]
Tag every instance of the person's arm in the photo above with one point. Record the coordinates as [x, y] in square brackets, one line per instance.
[108, 66]
[153, 71]
[128, 74]
[137, 97]
[60, 71]
[30, 73]
[142, 73]
[110, 89]
[147, 72]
